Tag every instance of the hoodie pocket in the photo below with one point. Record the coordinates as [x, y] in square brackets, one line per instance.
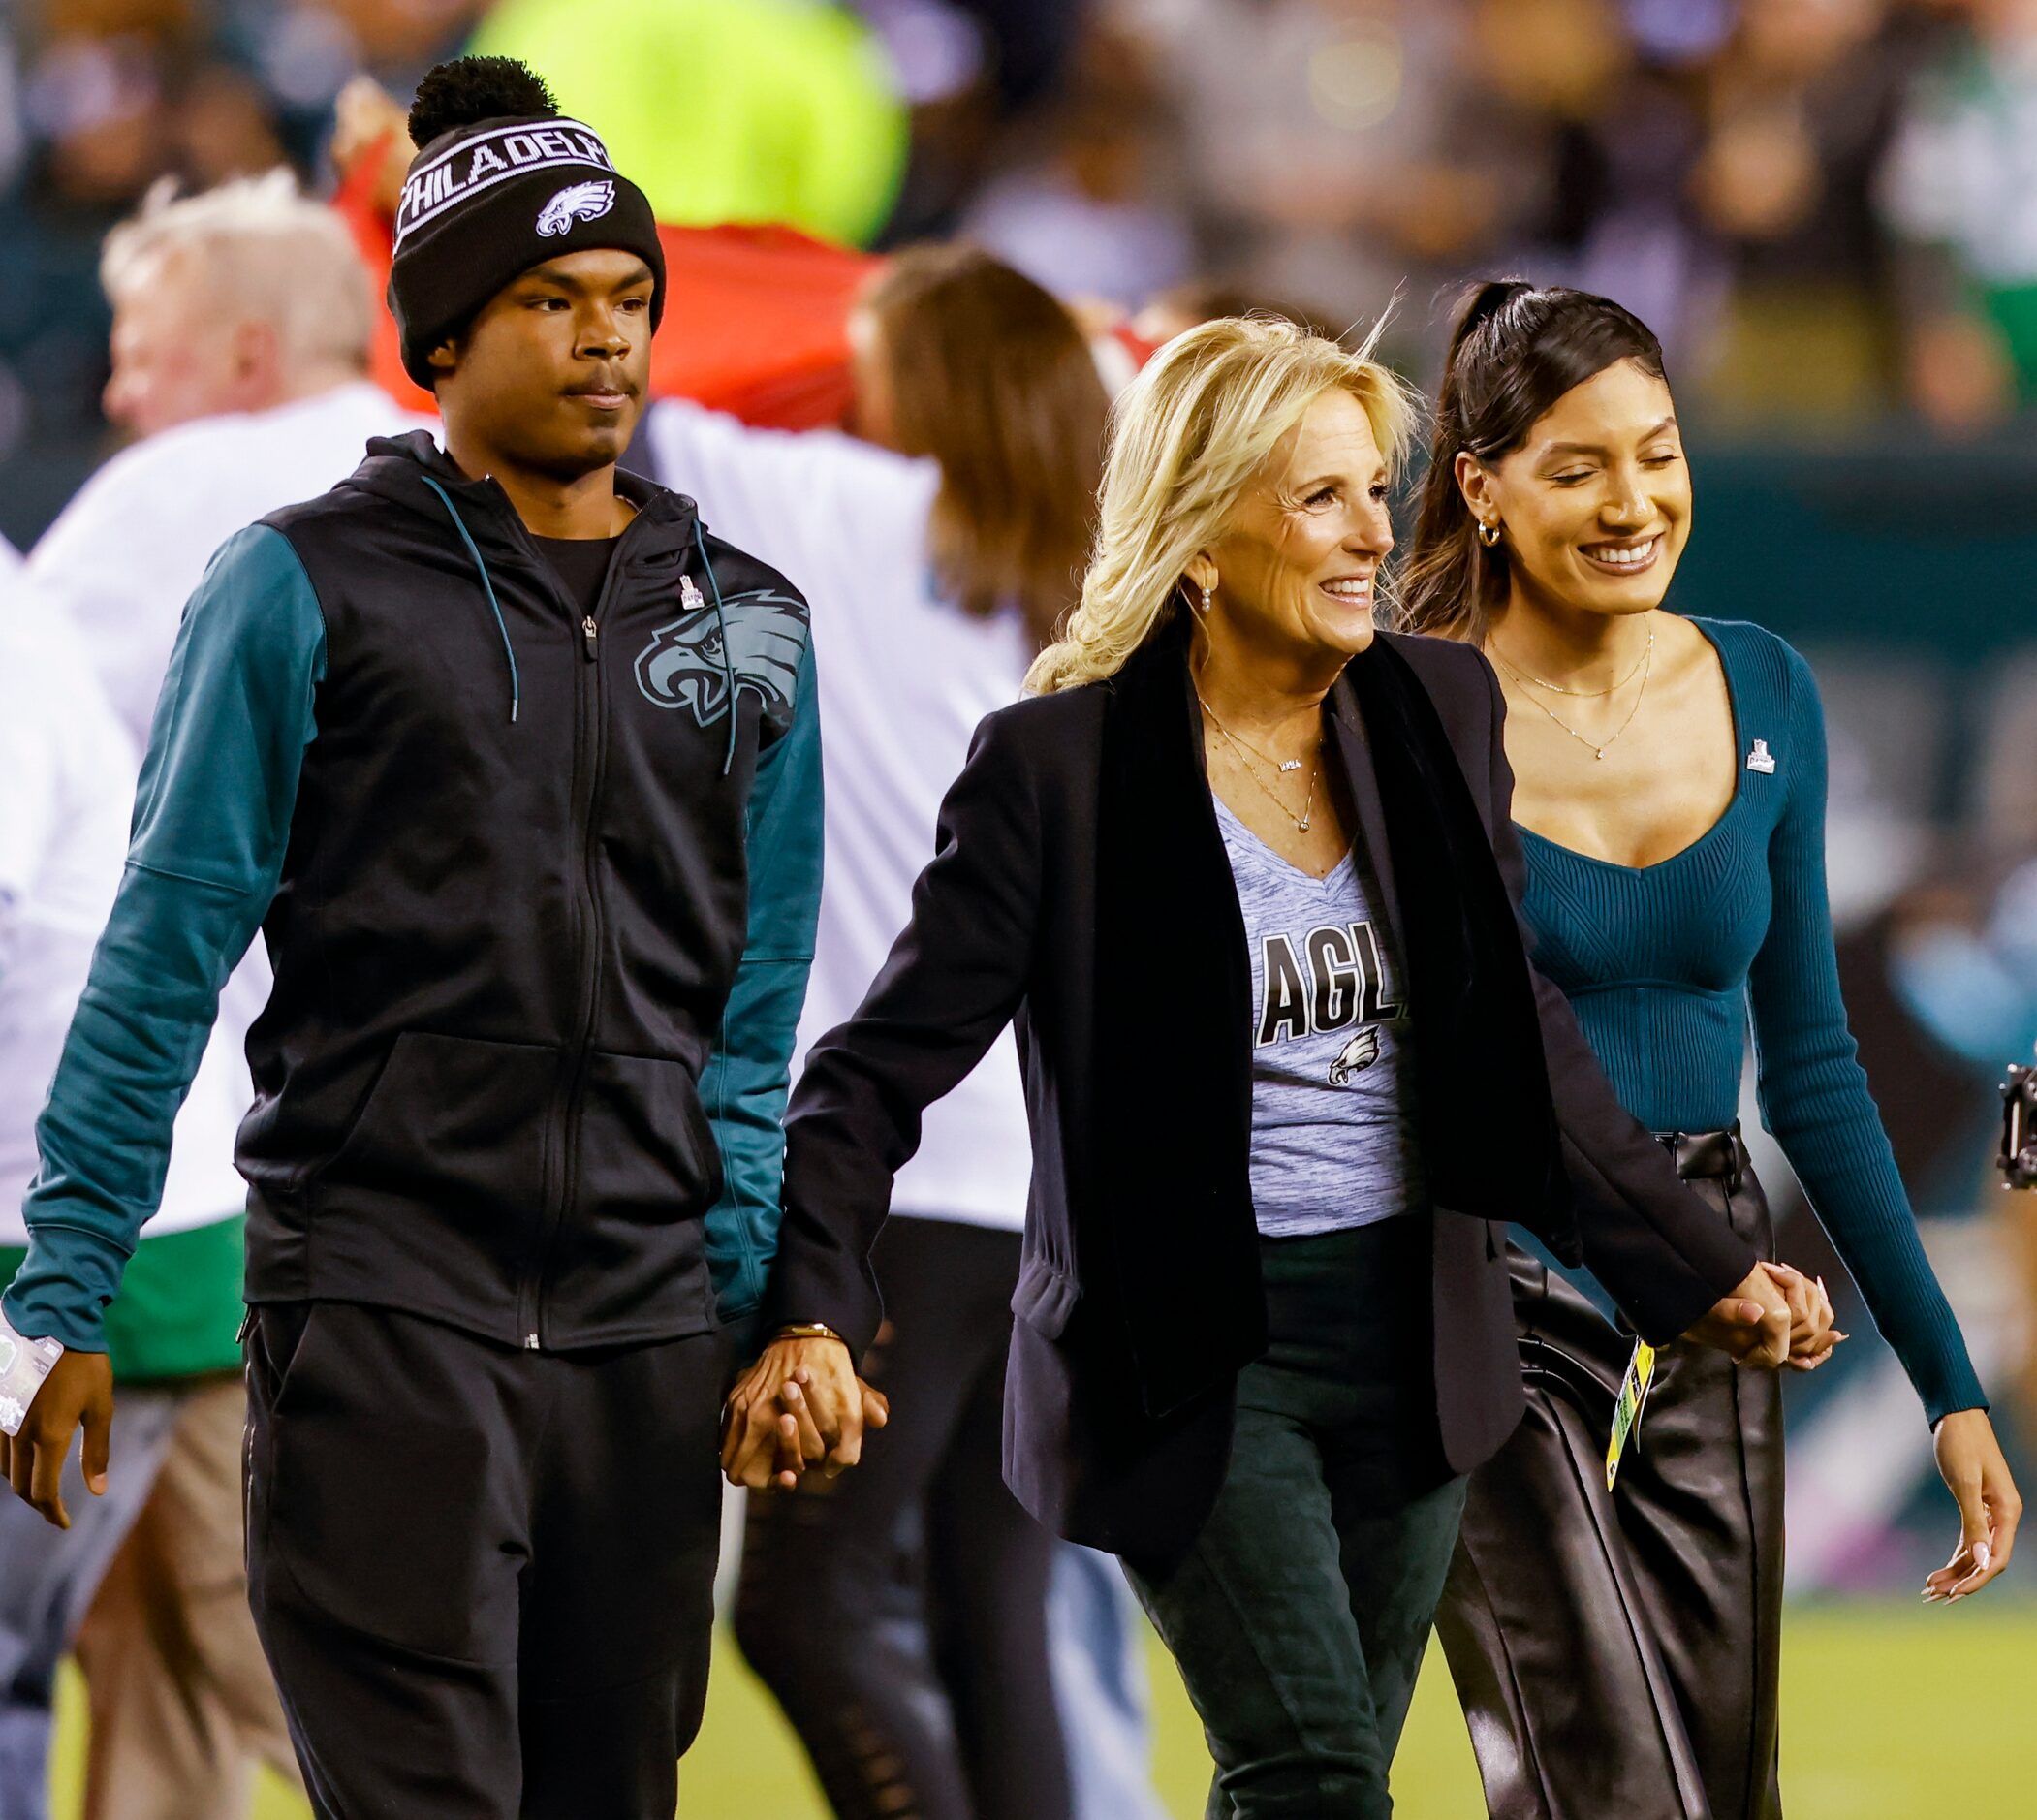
[630, 1255]
[457, 1125]
[647, 1156]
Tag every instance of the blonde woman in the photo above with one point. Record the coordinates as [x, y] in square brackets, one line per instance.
[1231, 870]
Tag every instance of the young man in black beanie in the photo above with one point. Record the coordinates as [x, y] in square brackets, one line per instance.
[516, 769]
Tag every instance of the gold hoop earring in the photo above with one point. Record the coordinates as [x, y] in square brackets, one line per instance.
[1489, 533]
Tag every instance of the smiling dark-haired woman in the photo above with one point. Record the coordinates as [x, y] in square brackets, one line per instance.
[1669, 786]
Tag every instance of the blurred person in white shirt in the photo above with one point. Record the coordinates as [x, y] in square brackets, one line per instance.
[241, 325]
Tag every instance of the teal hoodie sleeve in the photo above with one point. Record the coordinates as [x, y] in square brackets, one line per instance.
[744, 1085]
[211, 820]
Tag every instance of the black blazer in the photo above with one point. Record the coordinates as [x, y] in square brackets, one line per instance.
[1081, 887]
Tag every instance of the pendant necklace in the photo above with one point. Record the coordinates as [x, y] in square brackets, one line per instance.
[1241, 748]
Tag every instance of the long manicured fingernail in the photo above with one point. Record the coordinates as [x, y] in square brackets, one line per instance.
[1982, 1554]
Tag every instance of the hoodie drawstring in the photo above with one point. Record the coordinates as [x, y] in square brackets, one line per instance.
[728, 664]
[481, 568]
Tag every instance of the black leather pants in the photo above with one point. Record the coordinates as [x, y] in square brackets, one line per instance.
[1616, 1655]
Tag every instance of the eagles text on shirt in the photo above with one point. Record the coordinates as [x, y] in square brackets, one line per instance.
[1339, 979]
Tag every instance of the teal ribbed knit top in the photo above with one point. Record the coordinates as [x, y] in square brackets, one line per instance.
[1664, 963]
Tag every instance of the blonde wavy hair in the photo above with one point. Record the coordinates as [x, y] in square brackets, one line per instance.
[1189, 437]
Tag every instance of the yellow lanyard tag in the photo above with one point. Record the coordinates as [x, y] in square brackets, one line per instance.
[1626, 1413]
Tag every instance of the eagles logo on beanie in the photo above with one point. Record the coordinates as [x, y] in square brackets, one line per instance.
[500, 183]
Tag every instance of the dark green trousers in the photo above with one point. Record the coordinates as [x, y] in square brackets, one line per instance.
[1299, 1614]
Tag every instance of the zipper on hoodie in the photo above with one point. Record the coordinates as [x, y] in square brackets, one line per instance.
[590, 753]
[590, 708]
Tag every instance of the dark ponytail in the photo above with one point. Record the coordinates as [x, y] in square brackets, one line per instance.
[1515, 351]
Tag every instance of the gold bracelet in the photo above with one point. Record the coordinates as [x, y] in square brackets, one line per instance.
[808, 1330]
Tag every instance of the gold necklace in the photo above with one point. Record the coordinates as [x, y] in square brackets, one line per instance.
[1557, 688]
[1238, 746]
[1598, 751]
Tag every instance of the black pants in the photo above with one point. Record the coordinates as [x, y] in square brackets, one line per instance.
[1619, 1653]
[484, 1577]
[1299, 1615]
[899, 1615]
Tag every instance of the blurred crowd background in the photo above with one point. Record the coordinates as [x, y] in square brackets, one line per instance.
[1828, 208]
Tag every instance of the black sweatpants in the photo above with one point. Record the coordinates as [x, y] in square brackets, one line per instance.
[482, 1577]
[899, 1613]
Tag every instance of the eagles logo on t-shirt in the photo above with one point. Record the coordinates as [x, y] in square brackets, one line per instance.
[1333, 980]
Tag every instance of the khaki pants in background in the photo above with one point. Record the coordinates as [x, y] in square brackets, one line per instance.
[182, 1704]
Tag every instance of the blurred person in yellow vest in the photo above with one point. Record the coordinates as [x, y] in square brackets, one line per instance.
[727, 110]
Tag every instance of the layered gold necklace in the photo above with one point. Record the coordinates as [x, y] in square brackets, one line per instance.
[1598, 747]
[1241, 748]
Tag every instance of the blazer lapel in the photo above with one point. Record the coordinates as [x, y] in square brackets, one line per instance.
[1353, 752]
[1172, 1050]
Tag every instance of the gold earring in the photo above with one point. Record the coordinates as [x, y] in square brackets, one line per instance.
[1489, 533]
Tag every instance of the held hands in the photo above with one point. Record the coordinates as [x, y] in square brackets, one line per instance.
[1813, 1334]
[799, 1405]
[1777, 1317]
[1752, 1325]
[1971, 1464]
[78, 1391]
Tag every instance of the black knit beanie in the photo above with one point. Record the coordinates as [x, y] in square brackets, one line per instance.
[500, 183]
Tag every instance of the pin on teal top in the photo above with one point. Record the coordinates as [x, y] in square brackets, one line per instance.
[1665, 963]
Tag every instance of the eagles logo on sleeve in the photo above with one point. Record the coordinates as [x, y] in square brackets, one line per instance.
[582, 202]
[685, 667]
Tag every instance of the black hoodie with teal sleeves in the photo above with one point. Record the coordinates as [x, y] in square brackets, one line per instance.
[539, 889]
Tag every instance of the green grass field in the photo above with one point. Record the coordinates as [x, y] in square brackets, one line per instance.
[1889, 1713]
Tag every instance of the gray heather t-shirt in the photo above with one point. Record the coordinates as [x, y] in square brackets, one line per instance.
[1333, 1080]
